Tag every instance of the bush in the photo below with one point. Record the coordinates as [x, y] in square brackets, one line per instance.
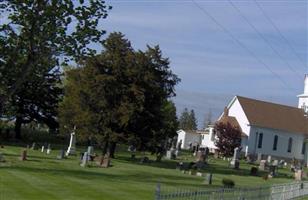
[228, 183]
[254, 171]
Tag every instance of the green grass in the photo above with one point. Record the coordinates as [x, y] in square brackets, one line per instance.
[43, 177]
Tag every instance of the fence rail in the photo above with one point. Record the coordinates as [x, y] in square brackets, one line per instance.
[275, 192]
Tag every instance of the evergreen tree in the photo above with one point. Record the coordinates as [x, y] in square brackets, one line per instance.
[192, 120]
[121, 96]
[184, 120]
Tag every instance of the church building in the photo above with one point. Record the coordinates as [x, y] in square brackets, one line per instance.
[269, 128]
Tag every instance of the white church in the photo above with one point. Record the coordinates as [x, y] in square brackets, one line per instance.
[267, 128]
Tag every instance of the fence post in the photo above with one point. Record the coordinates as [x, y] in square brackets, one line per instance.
[157, 192]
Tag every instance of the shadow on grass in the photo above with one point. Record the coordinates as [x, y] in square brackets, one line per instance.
[166, 164]
[85, 174]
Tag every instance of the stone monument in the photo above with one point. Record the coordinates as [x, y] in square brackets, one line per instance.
[90, 150]
[48, 149]
[42, 149]
[85, 160]
[262, 165]
[23, 155]
[235, 163]
[61, 155]
[72, 146]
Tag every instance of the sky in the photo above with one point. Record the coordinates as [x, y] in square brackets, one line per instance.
[220, 49]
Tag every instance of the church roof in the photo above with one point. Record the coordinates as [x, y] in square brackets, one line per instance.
[275, 116]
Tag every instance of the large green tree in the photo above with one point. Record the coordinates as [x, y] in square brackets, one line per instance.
[120, 96]
[35, 37]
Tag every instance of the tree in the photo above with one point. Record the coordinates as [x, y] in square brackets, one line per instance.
[228, 138]
[207, 119]
[184, 120]
[120, 96]
[34, 38]
[192, 120]
[188, 120]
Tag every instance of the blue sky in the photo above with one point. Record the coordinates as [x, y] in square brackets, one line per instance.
[212, 66]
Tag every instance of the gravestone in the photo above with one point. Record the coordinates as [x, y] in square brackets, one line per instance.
[262, 165]
[259, 158]
[23, 155]
[170, 154]
[48, 149]
[105, 161]
[61, 154]
[269, 159]
[28, 146]
[42, 149]
[90, 150]
[273, 170]
[216, 154]
[72, 146]
[298, 175]
[85, 160]
[132, 149]
[33, 146]
[199, 174]
[275, 163]
[2, 157]
[208, 179]
[235, 163]
[144, 159]
[200, 156]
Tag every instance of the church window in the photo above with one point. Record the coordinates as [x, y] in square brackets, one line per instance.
[290, 145]
[275, 142]
[303, 148]
[260, 140]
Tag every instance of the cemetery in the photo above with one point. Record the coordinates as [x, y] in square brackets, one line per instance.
[32, 173]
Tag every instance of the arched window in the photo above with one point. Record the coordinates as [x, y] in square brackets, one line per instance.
[260, 140]
[290, 145]
[275, 143]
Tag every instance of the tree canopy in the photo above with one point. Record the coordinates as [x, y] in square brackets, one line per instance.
[122, 95]
[188, 120]
[36, 37]
[228, 138]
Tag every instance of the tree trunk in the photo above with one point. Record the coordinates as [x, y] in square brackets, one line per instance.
[112, 148]
[105, 147]
[17, 128]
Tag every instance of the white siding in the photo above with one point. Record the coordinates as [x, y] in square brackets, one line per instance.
[187, 138]
[236, 110]
[207, 140]
[282, 145]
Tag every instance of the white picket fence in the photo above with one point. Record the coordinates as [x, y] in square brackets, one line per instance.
[276, 192]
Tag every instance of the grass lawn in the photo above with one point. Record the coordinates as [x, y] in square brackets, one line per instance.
[43, 177]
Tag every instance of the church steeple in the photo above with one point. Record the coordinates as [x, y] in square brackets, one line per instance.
[303, 98]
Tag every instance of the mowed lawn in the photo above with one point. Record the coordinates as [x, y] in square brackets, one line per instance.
[44, 177]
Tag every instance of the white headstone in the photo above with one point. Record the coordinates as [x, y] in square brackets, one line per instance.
[42, 150]
[85, 159]
[72, 146]
[90, 150]
[48, 151]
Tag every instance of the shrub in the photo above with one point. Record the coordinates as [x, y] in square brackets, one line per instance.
[254, 171]
[228, 183]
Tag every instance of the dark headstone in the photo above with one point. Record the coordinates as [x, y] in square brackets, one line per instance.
[23, 155]
[144, 160]
[105, 161]
[208, 179]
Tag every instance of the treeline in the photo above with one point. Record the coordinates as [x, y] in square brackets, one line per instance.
[120, 95]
